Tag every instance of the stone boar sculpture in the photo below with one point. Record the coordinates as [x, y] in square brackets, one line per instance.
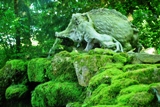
[107, 27]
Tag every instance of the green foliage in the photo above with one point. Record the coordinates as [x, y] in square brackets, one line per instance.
[55, 94]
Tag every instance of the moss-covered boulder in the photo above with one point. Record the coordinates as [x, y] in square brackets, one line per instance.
[37, 69]
[146, 75]
[62, 68]
[135, 96]
[102, 95]
[103, 77]
[55, 94]
[16, 92]
[14, 72]
[133, 67]
[118, 105]
[74, 104]
[87, 65]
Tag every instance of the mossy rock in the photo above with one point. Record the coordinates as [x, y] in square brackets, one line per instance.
[101, 51]
[74, 104]
[132, 67]
[120, 58]
[139, 99]
[155, 89]
[110, 106]
[102, 95]
[145, 75]
[16, 92]
[103, 77]
[37, 69]
[118, 84]
[112, 65]
[14, 72]
[62, 68]
[136, 96]
[55, 94]
[135, 88]
[87, 65]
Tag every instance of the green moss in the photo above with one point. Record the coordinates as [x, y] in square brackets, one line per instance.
[104, 106]
[93, 61]
[119, 84]
[74, 104]
[37, 69]
[135, 95]
[141, 99]
[15, 91]
[17, 65]
[155, 90]
[145, 75]
[135, 88]
[124, 99]
[55, 94]
[132, 67]
[63, 68]
[112, 65]
[101, 96]
[119, 58]
[14, 72]
[102, 51]
[64, 54]
[110, 106]
[103, 77]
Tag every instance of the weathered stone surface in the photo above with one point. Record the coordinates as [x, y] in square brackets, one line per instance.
[107, 24]
[145, 58]
[87, 65]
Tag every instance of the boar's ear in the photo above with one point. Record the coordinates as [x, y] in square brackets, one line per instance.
[86, 16]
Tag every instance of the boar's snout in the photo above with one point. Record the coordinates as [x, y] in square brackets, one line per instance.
[60, 34]
[56, 34]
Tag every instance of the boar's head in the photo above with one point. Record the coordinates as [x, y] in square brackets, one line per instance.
[71, 31]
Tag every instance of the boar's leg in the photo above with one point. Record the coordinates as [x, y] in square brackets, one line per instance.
[118, 46]
[89, 46]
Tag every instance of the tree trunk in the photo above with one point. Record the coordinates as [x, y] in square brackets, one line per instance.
[18, 41]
